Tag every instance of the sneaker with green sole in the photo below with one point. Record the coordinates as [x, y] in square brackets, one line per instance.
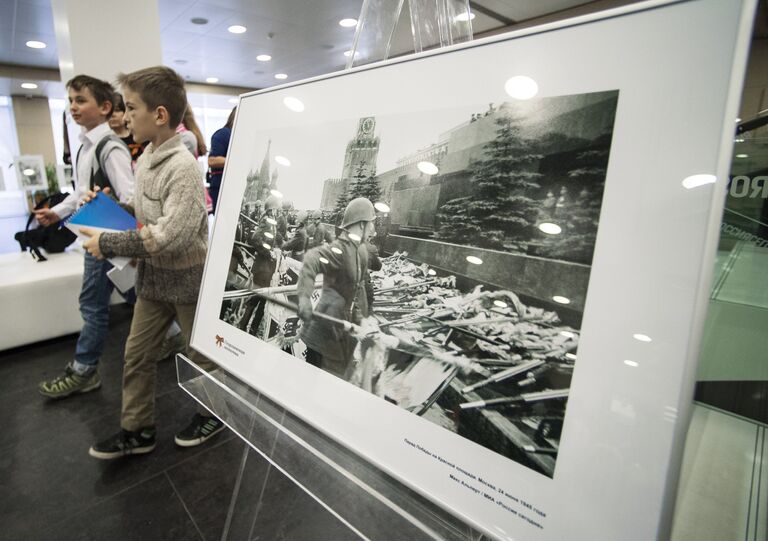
[125, 443]
[200, 430]
[70, 383]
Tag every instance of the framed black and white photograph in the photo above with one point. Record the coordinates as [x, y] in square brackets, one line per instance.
[30, 170]
[483, 268]
[433, 320]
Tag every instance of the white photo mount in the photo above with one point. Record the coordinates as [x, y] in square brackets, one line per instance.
[630, 400]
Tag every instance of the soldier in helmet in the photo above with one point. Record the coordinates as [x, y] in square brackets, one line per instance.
[344, 264]
[297, 245]
[263, 241]
[318, 232]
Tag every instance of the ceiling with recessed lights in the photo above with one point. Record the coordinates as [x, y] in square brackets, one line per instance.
[246, 43]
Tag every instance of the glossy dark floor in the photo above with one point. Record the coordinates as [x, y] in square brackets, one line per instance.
[50, 488]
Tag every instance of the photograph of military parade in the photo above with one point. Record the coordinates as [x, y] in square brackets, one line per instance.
[438, 260]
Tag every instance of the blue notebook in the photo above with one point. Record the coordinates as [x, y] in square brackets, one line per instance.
[103, 213]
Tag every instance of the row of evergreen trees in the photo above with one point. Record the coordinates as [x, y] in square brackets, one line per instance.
[506, 204]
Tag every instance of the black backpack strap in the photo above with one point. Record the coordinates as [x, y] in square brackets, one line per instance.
[99, 177]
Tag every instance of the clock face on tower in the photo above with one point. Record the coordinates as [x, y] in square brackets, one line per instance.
[366, 126]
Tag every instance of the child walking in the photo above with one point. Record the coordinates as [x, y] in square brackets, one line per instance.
[102, 162]
[170, 247]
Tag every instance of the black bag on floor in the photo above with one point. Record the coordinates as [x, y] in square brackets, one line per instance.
[53, 238]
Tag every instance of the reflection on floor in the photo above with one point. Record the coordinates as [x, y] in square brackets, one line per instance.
[723, 487]
[51, 488]
[733, 368]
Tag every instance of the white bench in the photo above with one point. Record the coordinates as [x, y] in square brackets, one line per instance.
[39, 301]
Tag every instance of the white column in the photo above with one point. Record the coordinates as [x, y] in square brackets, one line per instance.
[102, 38]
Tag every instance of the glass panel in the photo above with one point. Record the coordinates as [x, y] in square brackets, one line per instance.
[367, 500]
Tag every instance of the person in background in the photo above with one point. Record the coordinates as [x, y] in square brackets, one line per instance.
[102, 161]
[191, 136]
[171, 248]
[193, 140]
[218, 156]
[117, 123]
[297, 245]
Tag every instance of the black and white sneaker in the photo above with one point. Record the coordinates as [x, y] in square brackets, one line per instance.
[200, 430]
[125, 443]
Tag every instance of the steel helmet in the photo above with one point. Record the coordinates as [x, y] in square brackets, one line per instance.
[302, 217]
[358, 210]
[317, 215]
[272, 203]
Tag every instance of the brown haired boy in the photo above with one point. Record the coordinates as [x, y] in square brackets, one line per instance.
[102, 161]
[171, 248]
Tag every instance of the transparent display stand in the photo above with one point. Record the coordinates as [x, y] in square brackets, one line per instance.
[368, 501]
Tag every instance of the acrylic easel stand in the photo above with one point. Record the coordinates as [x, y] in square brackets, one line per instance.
[367, 501]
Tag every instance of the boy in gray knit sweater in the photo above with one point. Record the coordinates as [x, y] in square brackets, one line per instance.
[170, 247]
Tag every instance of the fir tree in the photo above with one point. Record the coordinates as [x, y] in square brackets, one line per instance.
[501, 212]
[367, 187]
[579, 218]
[338, 210]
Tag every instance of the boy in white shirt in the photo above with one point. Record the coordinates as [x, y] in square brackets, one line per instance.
[103, 160]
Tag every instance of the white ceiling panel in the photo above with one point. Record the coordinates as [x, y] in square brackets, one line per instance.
[303, 37]
[33, 18]
[169, 11]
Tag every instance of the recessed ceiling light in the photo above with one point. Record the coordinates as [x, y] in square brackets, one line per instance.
[428, 168]
[198, 20]
[263, 58]
[233, 101]
[281, 75]
[29, 86]
[282, 160]
[550, 229]
[381, 207]
[32, 44]
[521, 87]
[474, 260]
[237, 29]
[561, 300]
[348, 23]
[211, 79]
[464, 16]
[294, 104]
[694, 181]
